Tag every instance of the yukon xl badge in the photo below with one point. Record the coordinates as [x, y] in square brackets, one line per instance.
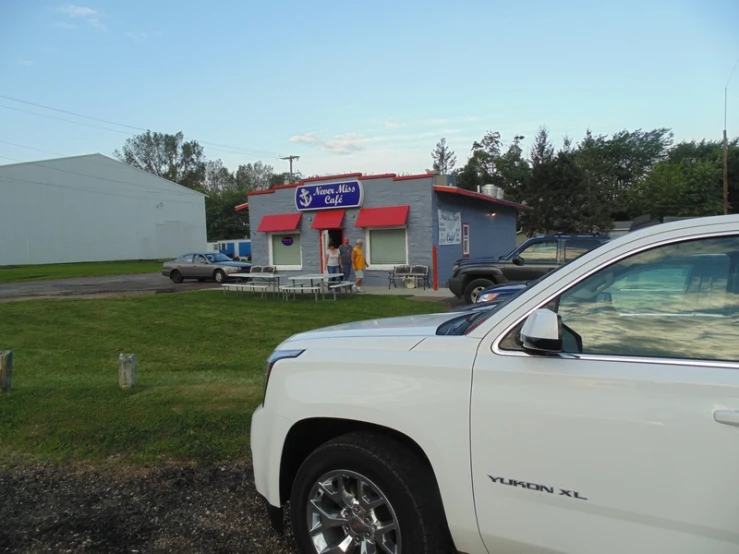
[536, 487]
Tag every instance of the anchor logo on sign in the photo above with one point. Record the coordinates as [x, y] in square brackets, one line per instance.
[305, 198]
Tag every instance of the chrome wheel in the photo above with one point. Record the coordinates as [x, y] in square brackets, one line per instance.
[348, 513]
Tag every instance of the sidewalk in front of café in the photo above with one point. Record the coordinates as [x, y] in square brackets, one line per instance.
[444, 296]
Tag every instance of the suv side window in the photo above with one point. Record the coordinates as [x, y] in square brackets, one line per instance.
[577, 247]
[675, 301]
[540, 252]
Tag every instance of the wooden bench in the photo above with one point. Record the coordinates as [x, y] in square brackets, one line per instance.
[287, 289]
[344, 286]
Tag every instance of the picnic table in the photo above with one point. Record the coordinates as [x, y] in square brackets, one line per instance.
[244, 284]
[315, 283]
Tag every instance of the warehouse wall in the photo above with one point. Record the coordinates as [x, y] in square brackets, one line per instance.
[93, 208]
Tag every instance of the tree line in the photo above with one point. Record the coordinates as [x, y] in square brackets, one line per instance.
[184, 162]
[577, 187]
[583, 187]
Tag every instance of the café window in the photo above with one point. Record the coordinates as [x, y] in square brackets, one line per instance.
[285, 251]
[386, 247]
[465, 239]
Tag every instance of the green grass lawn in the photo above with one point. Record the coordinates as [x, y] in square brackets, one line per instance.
[14, 274]
[201, 366]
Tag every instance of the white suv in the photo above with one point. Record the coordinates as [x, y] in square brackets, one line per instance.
[596, 412]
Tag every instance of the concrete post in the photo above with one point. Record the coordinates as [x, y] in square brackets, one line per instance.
[127, 370]
[6, 369]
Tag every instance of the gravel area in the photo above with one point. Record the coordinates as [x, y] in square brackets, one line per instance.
[211, 509]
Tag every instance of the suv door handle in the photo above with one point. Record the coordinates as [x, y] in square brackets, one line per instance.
[727, 417]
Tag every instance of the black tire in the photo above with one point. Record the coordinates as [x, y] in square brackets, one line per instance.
[473, 289]
[219, 276]
[176, 276]
[406, 482]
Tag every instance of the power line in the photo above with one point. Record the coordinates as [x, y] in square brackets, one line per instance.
[265, 153]
[32, 148]
[67, 120]
[96, 177]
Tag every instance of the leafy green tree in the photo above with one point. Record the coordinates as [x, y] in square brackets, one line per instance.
[217, 177]
[168, 156]
[222, 221]
[444, 158]
[689, 182]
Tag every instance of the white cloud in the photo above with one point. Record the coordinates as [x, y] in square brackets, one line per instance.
[393, 124]
[339, 144]
[90, 15]
[63, 25]
[77, 11]
[26, 63]
[136, 36]
[95, 22]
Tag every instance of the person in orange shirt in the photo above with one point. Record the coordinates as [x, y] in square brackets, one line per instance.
[359, 264]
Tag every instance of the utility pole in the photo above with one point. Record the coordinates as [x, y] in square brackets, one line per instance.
[726, 158]
[291, 158]
[726, 144]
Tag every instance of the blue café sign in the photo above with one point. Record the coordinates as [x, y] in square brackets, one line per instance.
[348, 194]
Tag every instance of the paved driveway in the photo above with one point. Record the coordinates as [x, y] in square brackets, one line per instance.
[113, 285]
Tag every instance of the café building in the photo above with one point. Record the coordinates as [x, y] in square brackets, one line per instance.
[403, 220]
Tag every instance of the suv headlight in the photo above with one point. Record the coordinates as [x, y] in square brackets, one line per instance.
[487, 297]
[273, 358]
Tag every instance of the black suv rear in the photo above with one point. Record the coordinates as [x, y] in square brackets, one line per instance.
[532, 259]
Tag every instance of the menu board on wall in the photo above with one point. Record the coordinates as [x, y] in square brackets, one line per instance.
[450, 228]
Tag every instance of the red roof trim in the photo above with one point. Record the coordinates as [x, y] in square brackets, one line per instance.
[328, 219]
[241, 207]
[276, 223]
[419, 176]
[380, 176]
[330, 178]
[387, 216]
[255, 192]
[480, 196]
[288, 186]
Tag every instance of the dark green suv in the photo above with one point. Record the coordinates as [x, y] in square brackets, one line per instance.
[534, 258]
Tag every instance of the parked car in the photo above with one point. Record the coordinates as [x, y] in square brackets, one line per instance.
[595, 411]
[493, 296]
[532, 259]
[203, 266]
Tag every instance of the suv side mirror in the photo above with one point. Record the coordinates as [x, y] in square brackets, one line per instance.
[542, 332]
[517, 260]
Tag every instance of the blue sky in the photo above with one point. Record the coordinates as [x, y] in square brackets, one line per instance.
[365, 86]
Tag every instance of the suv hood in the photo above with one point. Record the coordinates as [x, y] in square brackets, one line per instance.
[407, 326]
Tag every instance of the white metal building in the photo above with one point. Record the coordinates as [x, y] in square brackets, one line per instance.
[94, 208]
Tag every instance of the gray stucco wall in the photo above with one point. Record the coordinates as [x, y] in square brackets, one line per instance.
[489, 236]
[416, 193]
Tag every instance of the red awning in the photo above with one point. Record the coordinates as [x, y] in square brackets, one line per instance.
[390, 216]
[279, 223]
[329, 219]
